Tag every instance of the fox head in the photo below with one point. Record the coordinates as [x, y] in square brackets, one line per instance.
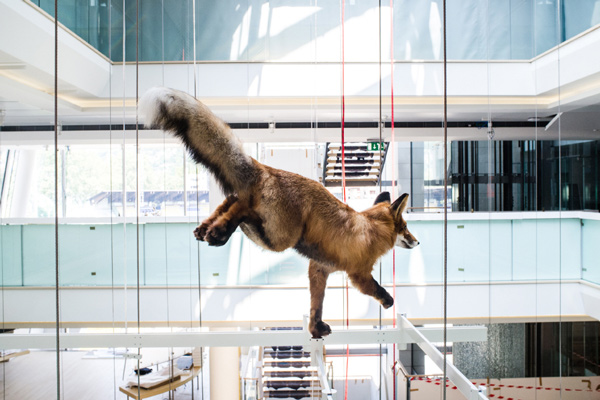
[403, 237]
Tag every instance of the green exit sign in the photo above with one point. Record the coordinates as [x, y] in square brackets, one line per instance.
[376, 146]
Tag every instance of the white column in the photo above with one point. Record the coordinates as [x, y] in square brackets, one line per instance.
[224, 372]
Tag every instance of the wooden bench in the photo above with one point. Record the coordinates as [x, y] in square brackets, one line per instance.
[7, 357]
[186, 377]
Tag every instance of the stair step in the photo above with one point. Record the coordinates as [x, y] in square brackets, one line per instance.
[291, 384]
[338, 160]
[352, 173]
[287, 364]
[353, 146]
[353, 154]
[354, 167]
[287, 354]
[284, 374]
[293, 377]
[294, 394]
[284, 348]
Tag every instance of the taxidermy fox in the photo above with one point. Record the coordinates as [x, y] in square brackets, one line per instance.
[278, 209]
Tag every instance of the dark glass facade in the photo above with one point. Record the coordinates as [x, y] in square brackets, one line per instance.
[525, 175]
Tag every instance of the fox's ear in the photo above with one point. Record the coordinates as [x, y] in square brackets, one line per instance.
[400, 205]
[383, 197]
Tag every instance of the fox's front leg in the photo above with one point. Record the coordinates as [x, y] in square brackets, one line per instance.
[369, 286]
[200, 231]
[317, 274]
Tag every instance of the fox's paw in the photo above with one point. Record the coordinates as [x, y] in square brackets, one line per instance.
[200, 231]
[319, 330]
[217, 235]
[387, 302]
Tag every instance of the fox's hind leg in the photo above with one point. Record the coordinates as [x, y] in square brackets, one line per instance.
[218, 228]
[369, 286]
[317, 274]
[200, 231]
[219, 232]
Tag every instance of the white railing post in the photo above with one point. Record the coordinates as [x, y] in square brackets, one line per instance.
[316, 360]
[463, 384]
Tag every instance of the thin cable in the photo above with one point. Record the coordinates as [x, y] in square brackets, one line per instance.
[110, 162]
[560, 202]
[124, 179]
[162, 39]
[57, 280]
[314, 124]
[164, 204]
[491, 186]
[247, 53]
[445, 204]
[381, 127]
[199, 281]
[197, 181]
[164, 208]
[343, 106]
[198, 210]
[137, 177]
[137, 157]
[315, 101]
[194, 42]
[344, 187]
[491, 189]
[393, 155]
[536, 144]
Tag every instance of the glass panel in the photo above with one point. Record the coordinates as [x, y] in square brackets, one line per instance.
[523, 165]
[284, 31]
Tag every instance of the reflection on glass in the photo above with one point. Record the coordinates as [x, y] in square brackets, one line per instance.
[284, 30]
[524, 208]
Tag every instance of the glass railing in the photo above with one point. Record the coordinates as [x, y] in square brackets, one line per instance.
[482, 247]
[255, 31]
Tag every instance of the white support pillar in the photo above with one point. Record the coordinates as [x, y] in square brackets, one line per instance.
[316, 360]
[224, 367]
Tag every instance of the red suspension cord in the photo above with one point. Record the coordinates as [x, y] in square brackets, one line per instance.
[392, 144]
[394, 194]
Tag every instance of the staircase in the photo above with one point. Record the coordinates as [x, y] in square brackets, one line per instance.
[364, 162]
[287, 373]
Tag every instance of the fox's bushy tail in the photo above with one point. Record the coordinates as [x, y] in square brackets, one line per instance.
[209, 140]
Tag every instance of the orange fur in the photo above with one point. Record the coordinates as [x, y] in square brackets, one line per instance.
[278, 209]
